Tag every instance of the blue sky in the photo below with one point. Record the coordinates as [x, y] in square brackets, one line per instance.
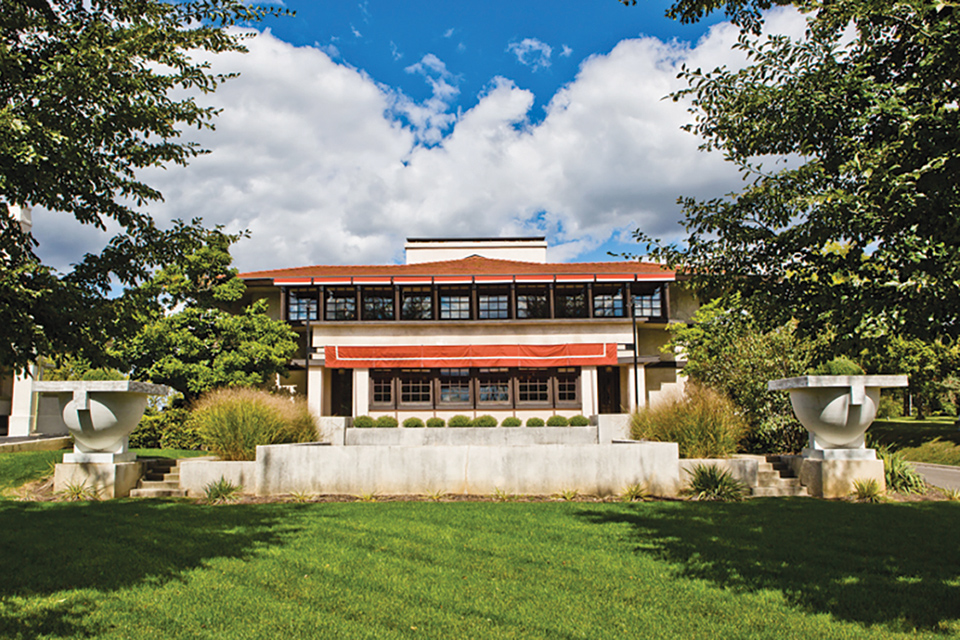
[354, 125]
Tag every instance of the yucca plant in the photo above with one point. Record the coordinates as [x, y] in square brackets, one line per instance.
[900, 474]
[708, 482]
[221, 491]
[867, 490]
[636, 492]
[77, 492]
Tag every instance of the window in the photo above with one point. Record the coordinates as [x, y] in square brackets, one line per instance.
[454, 304]
[493, 305]
[571, 301]
[648, 305]
[377, 303]
[493, 386]
[533, 386]
[607, 301]
[303, 304]
[567, 386]
[415, 386]
[533, 302]
[381, 384]
[341, 303]
[454, 386]
[417, 303]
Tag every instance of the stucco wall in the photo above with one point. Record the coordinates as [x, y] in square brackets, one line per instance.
[534, 469]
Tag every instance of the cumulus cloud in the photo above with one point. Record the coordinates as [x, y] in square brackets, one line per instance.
[324, 165]
[531, 53]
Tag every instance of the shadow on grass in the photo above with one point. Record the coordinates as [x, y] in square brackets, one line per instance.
[50, 547]
[895, 565]
[907, 432]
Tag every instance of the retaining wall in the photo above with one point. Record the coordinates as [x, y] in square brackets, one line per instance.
[598, 469]
[471, 436]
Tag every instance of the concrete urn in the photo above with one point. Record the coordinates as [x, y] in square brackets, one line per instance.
[836, 410]
[100, 415]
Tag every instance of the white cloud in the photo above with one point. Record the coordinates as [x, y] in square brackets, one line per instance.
[323, 165]
[531, 52]
[566, 52]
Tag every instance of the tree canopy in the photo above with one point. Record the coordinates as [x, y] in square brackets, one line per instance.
[90, 93]
[848, 140]
[187, 339]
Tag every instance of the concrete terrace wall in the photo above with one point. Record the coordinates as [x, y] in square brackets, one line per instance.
[603, 469]
[197, 473]
[476, 436]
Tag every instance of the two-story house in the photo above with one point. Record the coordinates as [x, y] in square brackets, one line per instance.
[478, 326]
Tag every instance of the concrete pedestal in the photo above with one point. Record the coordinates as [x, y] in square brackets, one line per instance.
[832, 476]
[108, 480]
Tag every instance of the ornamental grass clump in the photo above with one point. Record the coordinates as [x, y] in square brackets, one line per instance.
[233, 421]
[703, 423]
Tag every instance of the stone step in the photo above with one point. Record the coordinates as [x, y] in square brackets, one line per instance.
[158, 484]
[779, 491]
[157, 493]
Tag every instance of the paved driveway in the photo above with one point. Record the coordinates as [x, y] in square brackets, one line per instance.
[939, 475]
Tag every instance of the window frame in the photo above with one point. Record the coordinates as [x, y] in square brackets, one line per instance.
[461, 294]
[559, 309]
[294, 298]
[331, 305]
[502, 306]
[377, 293]
[465, 378]
[486, 374]
[609, 297]
[390, 377]
[420, 375]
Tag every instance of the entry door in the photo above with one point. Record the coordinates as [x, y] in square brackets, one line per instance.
[608, 387]
[341, 393]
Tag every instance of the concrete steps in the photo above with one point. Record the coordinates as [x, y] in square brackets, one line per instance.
[160, 480]
[776, 478]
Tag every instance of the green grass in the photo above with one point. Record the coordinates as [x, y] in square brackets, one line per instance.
[759, 569]
[936, 451]
[935, 440]
[21, 467]
[901, 433]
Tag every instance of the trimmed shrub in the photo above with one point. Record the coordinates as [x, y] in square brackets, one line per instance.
[579, 421]
[709, 482]
[435, 423]
[168, 428]
[387, 422]
[557, 421]
[889, 407]
[413, 423]
[233, 421]
[459, 421]
[179, 431]
[511, 422]
[485, 421]
[534, 422]
[776, 434]
[703, 423]
[364, 422]
[839, 366]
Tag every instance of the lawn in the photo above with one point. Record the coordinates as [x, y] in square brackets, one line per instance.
[935, 439]
[766, 568]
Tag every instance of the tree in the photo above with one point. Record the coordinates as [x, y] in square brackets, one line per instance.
[857, 224]
[87, 99]
[728, 351]
[189, 341]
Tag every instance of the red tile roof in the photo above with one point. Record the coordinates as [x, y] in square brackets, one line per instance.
[473, 266]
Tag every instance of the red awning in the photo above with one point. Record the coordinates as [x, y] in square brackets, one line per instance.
[485, 355]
